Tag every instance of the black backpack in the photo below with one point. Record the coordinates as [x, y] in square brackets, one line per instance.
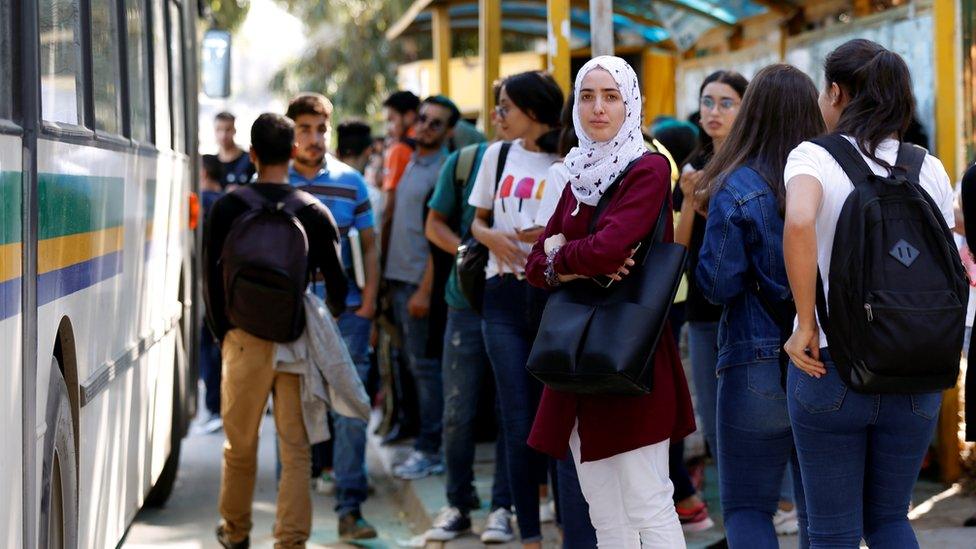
[898, 289]
[265, 266]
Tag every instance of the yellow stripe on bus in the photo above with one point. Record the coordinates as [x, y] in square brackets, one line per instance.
[9, 261]
[61, 252]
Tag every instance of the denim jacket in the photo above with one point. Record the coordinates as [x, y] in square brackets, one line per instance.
[743, 254]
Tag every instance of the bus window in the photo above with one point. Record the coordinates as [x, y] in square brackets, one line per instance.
[161, 76]
[60, 53]
[106, 71]
[176, 60]
[138, 64]
[6, 70]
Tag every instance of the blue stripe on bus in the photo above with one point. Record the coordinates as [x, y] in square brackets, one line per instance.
[66, 281]
[9, 298]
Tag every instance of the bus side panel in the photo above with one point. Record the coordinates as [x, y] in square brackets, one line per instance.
[11, 325]
[109, 202]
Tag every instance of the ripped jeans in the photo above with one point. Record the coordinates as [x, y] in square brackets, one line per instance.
[465, 368]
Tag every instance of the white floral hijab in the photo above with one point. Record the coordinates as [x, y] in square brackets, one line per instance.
[594, 165]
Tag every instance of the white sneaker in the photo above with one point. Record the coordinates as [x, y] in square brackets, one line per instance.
[449, 524]
[325, 484]
[213, 424]
[786, 522]
[547, 512]
[498, 527]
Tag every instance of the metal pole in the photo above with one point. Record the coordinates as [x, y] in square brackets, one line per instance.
[601, 27]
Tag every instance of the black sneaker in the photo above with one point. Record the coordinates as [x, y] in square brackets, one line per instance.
[352, 525]
[449, 524]
[226, 543]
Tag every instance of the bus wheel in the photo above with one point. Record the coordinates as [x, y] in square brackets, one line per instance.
[59, 491]
[163, 487]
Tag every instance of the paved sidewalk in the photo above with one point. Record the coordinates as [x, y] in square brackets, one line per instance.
[937, 512]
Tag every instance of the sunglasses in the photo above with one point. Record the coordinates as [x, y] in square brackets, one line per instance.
[431, 122]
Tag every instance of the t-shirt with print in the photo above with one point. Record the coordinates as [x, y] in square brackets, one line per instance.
[813, 160]
[556, 178]
[446, 201]
[239, 171]
[516, 202]
[343, 191]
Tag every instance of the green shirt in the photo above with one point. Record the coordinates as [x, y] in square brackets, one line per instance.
[446, 202]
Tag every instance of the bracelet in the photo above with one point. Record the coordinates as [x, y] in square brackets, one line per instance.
[552, 278]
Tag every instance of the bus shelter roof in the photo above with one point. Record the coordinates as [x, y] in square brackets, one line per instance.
[671, 23]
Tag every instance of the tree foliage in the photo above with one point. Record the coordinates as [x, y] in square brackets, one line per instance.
[228, 14]
[348, 57]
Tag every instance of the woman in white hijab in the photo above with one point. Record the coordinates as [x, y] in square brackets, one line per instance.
[619, 443]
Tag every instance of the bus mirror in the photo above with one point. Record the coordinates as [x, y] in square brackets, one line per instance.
[216, 63]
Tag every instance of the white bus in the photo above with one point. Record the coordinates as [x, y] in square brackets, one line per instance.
[97, 167]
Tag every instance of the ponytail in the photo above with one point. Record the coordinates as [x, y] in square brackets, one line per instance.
[879, 85]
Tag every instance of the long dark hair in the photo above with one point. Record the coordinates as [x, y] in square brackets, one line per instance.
[778, 112]
[733, 80]
[567, 135]
[879, 87]
[538, 95]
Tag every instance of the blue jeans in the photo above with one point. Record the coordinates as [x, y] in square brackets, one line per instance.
[349, 436]
[210, 370]
[511, 318]
[426, 371]
[574, 512]
[860, 455]
[755, 444]
[703, 351]
[464, 366]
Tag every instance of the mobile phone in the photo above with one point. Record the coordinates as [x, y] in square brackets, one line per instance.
[605, 281]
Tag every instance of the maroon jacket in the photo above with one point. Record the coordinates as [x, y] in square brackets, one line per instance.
[612, 424]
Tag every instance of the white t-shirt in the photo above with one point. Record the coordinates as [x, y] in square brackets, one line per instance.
[519, 193]
[556, 179]
[813, 160]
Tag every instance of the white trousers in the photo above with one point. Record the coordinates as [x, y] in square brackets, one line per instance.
[630, 498]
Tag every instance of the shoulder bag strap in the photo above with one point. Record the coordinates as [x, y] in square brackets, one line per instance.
[847, 155]
[500, 167]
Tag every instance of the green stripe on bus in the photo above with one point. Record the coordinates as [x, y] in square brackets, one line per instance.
[9, 207]
[72, 204]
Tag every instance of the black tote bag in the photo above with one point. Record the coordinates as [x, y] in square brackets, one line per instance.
[595, 340]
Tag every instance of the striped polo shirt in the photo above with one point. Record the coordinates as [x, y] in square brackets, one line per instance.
[343, 190]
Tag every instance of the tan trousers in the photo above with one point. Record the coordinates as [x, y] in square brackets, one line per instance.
[248, 378]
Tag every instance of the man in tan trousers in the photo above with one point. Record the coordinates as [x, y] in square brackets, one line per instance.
[249, 376]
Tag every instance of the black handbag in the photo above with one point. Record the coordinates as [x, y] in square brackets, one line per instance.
[472, 255]
[595, 340]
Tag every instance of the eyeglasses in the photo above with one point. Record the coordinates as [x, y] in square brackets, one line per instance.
[723, 105]
[501, 111]
[433, 123]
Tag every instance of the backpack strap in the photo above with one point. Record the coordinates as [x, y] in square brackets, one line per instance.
[465, 165]
[250, 197]
[847, 155]
[658, 234]
[295, 201]
[910, 159]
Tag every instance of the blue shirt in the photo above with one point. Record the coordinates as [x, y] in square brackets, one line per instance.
[343, 191]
